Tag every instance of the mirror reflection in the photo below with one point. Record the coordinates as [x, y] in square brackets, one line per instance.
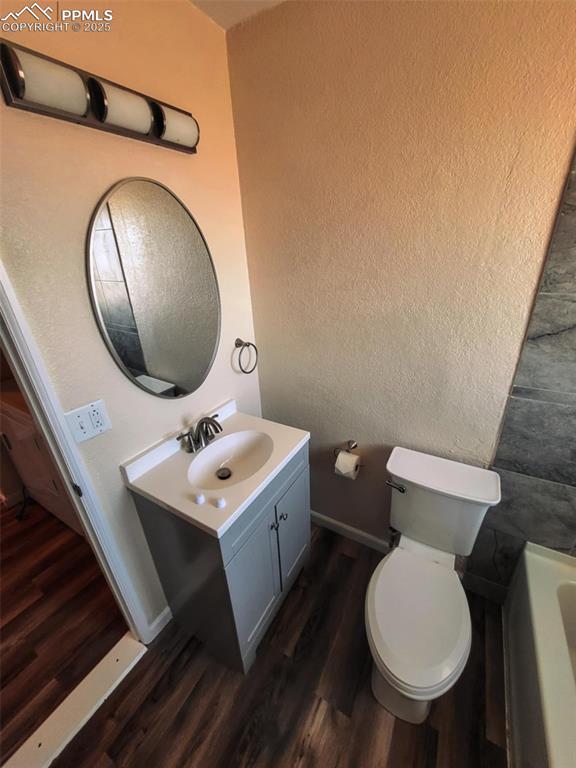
[153, 288]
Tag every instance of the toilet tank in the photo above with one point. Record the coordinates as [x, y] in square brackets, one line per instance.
[443, 503]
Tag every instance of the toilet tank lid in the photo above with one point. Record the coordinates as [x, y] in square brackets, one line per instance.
[451, 478]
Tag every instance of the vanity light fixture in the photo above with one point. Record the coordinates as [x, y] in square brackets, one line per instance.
[179, 128]
[38, 83]
[119, 107]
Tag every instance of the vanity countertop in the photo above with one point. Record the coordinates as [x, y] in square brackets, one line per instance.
[161, 473]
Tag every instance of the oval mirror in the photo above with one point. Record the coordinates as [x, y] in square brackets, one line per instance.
[153, 288]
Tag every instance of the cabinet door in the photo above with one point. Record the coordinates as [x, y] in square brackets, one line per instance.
[293, 515]
[37, 471]
[254, 580]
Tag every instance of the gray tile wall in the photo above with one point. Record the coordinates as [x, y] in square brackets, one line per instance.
[536, 456]
[112, 296]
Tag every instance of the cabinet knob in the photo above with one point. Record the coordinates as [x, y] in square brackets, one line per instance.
[284, 516]
[274, 526]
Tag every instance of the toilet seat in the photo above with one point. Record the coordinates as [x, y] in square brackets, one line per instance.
[418, 624]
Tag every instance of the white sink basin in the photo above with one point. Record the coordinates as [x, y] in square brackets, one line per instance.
[242, 453]
[253, 449]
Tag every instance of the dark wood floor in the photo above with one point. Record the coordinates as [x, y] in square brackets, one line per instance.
[57, 620]
[306, 701]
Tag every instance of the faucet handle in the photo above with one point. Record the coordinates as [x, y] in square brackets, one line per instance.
[187, 440]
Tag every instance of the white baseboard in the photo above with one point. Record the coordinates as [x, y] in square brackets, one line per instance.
[155, 627]
[58, 730]
[380, 545]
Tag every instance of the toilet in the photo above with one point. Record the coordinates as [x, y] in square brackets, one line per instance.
[417, 617]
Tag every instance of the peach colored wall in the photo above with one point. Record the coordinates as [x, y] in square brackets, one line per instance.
[53, 175]
[400, 167]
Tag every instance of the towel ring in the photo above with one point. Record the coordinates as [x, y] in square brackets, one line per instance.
[242, 345]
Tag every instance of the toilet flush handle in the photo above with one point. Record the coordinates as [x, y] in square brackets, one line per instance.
[396, 486]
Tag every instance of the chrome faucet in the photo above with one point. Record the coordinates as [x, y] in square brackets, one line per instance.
[206, 430]
[196, 438]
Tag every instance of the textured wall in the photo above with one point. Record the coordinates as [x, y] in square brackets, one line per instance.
[536, 456]
[400, 167]
[53, 175]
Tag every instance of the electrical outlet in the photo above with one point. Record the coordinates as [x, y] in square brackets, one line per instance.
[97, 417]
[88, 421]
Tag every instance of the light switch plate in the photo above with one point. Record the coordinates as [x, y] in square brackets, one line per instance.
[88, 421]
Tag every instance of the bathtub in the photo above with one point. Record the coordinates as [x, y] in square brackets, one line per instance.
[540, 660]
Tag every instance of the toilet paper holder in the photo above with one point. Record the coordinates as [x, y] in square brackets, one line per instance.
[350, 446]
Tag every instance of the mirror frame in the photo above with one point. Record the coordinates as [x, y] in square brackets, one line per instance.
[94, 302]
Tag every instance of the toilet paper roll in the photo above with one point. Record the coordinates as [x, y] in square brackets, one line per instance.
[347, 465]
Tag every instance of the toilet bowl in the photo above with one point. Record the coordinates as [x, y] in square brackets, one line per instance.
[417, 617]
[419, 632]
